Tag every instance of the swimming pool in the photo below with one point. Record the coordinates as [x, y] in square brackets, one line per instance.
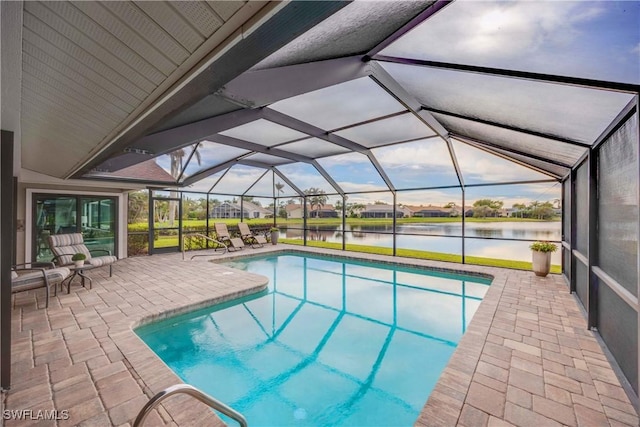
[331, 342]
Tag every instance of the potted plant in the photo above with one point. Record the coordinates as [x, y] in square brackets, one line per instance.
[78, 259]
[542, 257]
[274, 235]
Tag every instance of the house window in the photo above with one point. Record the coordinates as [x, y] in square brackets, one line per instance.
[93, 216]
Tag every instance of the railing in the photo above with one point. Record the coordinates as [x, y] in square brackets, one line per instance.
[219, 244]
[193, 392]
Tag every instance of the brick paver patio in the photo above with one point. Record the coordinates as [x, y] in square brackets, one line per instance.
[527, 358]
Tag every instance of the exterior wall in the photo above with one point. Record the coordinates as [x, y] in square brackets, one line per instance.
[381, 214]
[295, 213]
[322, 213]
[38, 183]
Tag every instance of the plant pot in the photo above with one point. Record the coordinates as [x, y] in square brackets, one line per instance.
[541, 263]
[79, 263]
[274, 237]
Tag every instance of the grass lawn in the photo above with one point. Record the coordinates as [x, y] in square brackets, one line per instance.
[281, 222]
[436, 256]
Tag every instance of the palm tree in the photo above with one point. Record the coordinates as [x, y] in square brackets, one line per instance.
[177, 168]
[520, 209]
[279, 188]
[317, 198]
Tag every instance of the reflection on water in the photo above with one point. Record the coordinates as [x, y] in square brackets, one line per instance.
[331, 343]
[441, 237]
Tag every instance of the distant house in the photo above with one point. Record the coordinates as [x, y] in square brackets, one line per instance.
[295, 210]
[383, 211]
[326, 211]
[232, 210]
[433, 212]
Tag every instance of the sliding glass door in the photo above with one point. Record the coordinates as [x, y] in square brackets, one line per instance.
[93, 216]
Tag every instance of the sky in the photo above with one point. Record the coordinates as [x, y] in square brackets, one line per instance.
[589, 39]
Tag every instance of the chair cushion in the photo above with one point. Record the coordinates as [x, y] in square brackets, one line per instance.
[101, 260]
[65, 246]
[66, 239]
[13, 274]
[237, 242]
[34, 279]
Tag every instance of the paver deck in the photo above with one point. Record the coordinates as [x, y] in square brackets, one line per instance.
[527, 357]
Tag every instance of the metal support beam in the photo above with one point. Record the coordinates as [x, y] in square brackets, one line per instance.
[252, 146]
[7, 230]
[522, 153]
[207, 172]
[183, 167]
[389, 84]
[395, 215]
[574, 230]
[169, 140]
[218, 180]
[300, 126]
[259, 88]
[540, 77]
[463, 226]
[268, 168]
[502, 154]
[637, 114]
[592, 317]
[344, 222]
[627, 112]
[288, 181]
[381, 172]
[436, 7]
[508, 127]
[269, 33]
[328, 177]
[304, 220]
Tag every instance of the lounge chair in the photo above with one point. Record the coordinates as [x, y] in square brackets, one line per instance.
[25, 278]
[223, 236]
[255, 240]
[65, 246]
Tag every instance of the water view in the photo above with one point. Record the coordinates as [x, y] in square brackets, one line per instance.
[482, 238]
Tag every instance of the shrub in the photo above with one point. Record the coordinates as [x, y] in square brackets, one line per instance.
[137, 244]
[543, 247]
[78, 257]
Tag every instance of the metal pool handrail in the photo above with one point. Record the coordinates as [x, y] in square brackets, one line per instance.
[189, 235]
[193, 392]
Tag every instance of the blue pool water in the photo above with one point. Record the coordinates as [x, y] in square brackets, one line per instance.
[331, 342]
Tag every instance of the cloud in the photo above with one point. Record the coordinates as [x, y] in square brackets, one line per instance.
[560, 37]
[478, 166]
[477, 30]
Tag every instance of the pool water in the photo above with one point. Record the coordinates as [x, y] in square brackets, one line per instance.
[331, 342]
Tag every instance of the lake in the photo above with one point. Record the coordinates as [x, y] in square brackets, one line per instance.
[444, 237]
